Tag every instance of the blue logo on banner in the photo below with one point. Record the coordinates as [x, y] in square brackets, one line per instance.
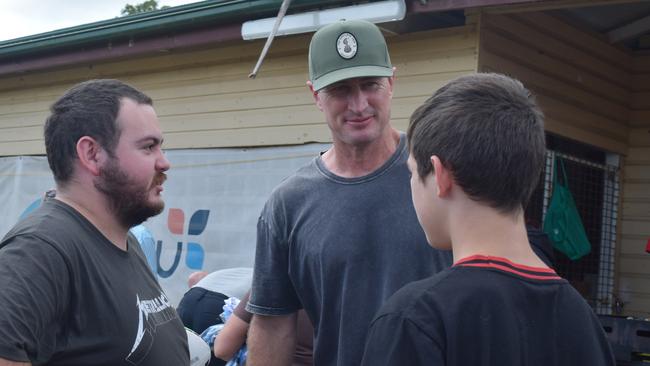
[195, 255]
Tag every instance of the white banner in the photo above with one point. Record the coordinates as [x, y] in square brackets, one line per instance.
[213, 198]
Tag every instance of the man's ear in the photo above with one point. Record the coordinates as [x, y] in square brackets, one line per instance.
[90, 154]
[444, 178]
[391, 80]
[314, 94]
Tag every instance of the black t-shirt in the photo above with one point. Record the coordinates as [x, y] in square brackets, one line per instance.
[70, 297]
[488, 311]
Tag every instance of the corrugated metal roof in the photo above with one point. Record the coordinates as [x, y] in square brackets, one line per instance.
[187, 16]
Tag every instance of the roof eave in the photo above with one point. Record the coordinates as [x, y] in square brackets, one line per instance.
[119, 50]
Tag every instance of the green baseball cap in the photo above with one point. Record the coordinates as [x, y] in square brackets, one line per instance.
[347, 49]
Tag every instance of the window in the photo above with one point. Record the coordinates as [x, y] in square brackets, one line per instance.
[593, 178]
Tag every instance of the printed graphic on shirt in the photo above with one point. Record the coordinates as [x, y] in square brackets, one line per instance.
[151, 314]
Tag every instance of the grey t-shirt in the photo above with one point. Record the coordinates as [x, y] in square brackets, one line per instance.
[339, 247]
[70, 297]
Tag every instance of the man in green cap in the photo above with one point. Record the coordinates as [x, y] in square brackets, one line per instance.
[339, 236]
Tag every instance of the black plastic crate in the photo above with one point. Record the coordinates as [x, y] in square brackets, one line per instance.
[629, 338]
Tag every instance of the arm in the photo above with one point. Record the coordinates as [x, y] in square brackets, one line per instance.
[230, 339]
[34, 283]
[271, 340]
[233, 334]
[4, 362]
[274, 301]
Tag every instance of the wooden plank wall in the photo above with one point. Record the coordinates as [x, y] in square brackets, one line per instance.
[205, 99]
[634, 268]
[580, 81]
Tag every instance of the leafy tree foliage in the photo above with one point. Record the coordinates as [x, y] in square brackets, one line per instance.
[147, 5]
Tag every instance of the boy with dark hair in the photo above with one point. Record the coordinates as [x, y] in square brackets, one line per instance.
[477, 151]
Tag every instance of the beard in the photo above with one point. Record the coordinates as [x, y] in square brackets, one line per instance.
[128, 200]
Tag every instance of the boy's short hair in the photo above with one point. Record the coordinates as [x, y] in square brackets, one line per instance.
[487, 129]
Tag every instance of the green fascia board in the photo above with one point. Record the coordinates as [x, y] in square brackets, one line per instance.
[176, 18]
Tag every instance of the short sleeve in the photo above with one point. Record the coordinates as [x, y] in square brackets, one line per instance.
[240, 309]
[35, 282]
[395, 340]
[273, 292]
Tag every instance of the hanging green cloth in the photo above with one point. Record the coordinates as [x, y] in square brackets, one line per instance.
[562, 222]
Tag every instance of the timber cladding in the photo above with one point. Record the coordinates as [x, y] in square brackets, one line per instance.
[205, 99]
[634, 283]
[581, 82]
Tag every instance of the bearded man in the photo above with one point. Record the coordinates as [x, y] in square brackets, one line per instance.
[76, 289]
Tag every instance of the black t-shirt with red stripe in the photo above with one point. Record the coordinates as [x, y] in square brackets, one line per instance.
[488, 311]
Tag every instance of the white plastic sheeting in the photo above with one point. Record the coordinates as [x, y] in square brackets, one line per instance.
[213, 199]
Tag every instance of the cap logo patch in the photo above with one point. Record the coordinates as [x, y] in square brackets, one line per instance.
[346, 45]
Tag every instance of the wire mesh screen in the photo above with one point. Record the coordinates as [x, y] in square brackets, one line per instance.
[592, 178]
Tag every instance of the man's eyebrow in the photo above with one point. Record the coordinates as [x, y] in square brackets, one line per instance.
[156, 140]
